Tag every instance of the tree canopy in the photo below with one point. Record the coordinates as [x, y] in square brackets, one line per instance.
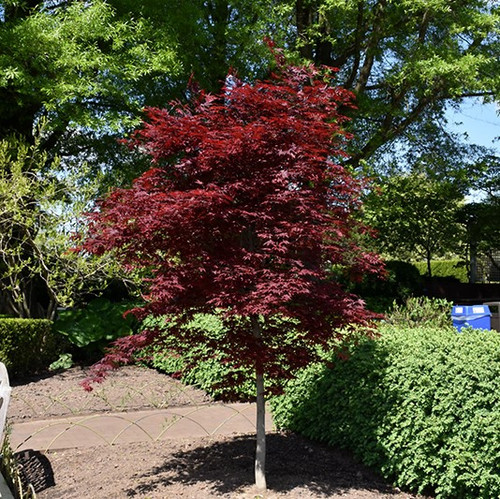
[416, 216]
[404, 60]
[83, 69]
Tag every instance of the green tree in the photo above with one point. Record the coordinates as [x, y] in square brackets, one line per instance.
[83, 69]
[38, 209]
[416, 216]
[212, 35]
[405, 60]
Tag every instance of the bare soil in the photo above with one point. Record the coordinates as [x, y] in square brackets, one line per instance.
[195, 468]
[130, 388]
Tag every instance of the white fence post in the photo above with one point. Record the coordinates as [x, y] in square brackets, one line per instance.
[5, 390]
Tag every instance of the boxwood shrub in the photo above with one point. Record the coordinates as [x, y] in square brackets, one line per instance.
[27, 345]
[420, 404]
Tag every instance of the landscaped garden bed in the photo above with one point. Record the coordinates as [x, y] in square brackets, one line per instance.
[196, 468]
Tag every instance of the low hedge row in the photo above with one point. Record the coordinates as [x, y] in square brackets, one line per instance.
[421, 404]
[444, 268]
[27, 345]
[402, 281]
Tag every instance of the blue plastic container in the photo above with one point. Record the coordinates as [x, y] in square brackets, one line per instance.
[476, 316]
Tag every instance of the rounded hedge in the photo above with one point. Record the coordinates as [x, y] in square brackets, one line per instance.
[421, 404]
[402, 281]
[27, 345]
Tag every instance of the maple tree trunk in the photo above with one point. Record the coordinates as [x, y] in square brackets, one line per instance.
[260, 453]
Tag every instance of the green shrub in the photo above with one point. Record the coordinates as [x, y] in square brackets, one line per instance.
[421, 311]
[420, 404]
[93, 327]
[403, 280]
[27, 345]
[202, 366]
[64, 361]
[444, 268]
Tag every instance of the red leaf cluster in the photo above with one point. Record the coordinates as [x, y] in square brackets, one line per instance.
[246, 210]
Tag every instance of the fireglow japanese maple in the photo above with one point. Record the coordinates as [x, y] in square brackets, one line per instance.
[245, 212]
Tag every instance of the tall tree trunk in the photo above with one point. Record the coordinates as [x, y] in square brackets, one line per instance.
[219, 13]
[473, 263]
[260, 453]
[303, 15]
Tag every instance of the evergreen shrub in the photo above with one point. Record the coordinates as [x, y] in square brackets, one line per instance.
[90, 329]
[27, 345]
[444, 268]
[420, 404]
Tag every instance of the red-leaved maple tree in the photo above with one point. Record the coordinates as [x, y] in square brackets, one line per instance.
[245, 212]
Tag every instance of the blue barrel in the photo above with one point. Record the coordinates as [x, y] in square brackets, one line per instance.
[476, 316]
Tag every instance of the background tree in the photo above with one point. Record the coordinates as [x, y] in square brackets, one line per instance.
[242, 214]
[481, 222]
[83, 69]
[38, 210]
[91, 88]
[210, 36]
[405, 61]
[416, 217]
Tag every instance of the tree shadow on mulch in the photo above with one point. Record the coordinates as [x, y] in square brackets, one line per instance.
[292, 461]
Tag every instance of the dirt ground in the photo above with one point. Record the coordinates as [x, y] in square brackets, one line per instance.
[195, 468]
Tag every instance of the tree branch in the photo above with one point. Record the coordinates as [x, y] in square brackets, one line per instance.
[371, 46]
[357, 45]
[465, 95]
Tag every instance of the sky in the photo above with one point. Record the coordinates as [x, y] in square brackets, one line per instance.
[482, 124]
[480, 121]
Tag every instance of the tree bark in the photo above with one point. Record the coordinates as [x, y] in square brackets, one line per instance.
[429, 266]
[303, 16]
[260, 453]
[218, 18]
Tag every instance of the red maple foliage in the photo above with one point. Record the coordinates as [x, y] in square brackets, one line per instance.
[245, 211]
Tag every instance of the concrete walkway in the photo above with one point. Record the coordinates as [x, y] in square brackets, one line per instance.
[125, 427]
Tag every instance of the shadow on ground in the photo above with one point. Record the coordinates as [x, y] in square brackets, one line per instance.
[292, 462]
